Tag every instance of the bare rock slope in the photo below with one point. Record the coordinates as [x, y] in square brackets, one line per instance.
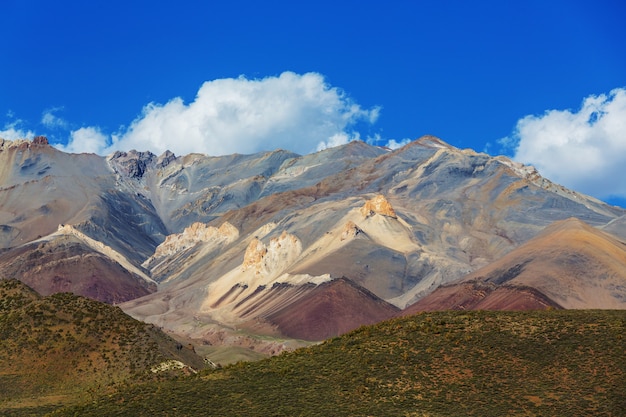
[569, 265]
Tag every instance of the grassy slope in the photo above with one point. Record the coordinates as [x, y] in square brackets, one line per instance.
[432, 364]
[63, 348]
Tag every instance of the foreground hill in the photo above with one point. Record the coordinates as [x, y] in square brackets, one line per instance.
[482, 363]
[61, 348]
[568, 265]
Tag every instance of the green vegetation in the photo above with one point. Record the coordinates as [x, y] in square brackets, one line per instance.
[63, 348]
[224, 355]
[540, 363]
[67, 355]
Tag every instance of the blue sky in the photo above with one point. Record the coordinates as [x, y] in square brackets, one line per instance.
[541, 81]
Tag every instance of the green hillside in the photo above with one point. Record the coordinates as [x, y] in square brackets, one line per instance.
[63, 348]
[542, 363]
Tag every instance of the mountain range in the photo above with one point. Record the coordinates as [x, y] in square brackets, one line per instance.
[270, 250]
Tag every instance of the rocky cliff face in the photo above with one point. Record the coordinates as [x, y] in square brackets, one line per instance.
[134, 164]
[194, 234]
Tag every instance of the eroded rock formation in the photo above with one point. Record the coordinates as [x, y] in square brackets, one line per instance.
[378, 205]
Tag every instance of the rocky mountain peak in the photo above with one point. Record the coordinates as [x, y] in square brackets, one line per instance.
[165, 159]
[431, 141]
[132, 164]
[40, 140]
[449, 213]
[378, 205]
[23, 143]
[255, 252]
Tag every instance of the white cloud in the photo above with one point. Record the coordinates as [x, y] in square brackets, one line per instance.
[393, 144]
[86, 140]
[12, 131]
[583, 150]
[300, 113]
[338, 139]
[50, 120]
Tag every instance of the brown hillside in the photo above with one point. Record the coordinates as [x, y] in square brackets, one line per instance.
[63, 348]
[398, 223]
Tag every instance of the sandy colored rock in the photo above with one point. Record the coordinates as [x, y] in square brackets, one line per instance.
[196, 233]
[254, 255]
[378, 205]
[233, 239]
[350, 230]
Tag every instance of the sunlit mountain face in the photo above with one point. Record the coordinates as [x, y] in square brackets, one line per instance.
[262, 250]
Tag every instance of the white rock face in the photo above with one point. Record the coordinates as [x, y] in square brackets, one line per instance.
[231, 297]
[274, 257]
[169, 365]
[66, 229]
[192, 235]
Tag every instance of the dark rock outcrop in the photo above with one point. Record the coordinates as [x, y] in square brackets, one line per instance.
[132, 164]
[40, 140]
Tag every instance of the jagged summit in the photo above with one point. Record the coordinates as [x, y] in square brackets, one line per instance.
[378, 205]
[23, 143]
[134, 164]
[431, 141]
[40, 140]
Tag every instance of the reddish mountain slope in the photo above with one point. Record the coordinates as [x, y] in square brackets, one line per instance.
[331, 309]
[570, 264]
[481, 296]
[68, 265]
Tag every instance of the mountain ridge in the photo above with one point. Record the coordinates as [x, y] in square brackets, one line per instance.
[395, 223]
